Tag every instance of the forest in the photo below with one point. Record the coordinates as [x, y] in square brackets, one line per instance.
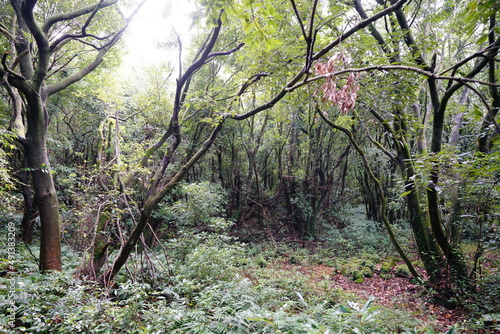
[250, 166]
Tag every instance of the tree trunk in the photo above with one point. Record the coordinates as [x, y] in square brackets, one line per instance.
[29, 216]
[43, 184]
[427, 248]
[455, 132]
[380, 192]
[30, 211]
[484, 139]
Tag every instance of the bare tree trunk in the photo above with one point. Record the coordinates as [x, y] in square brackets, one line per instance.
[455, 132]
[43, 184]
[30, 211]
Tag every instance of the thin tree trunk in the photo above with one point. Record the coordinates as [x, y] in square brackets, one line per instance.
[151, 203]
[455, 132]
[427, 247]
[380, 192]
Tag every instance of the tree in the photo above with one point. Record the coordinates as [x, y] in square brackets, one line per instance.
[433, 242]
[47, 49]
[171, 166]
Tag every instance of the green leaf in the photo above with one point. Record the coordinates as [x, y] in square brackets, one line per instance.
[482, 39]
[406, 193]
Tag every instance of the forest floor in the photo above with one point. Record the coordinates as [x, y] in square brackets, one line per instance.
[393, 293]
[396, 293]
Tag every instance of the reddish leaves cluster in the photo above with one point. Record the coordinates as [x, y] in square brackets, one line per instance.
[344, 97]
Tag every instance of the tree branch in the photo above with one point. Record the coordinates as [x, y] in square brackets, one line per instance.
[384, 68]
[299, 19]
[362, 24]
[378, 37]
[27, 10]
[96, 62]
[292, 84]
[74, 14]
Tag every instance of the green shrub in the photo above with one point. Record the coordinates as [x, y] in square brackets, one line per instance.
[360, 234]
[209, 262]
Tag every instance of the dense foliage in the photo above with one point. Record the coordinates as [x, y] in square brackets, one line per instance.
[288, 145]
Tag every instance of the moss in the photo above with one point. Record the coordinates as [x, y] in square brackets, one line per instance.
[385, 276]
[385, 268]
[356, 275]
[402, 271]
[367, 272]
[368, 264]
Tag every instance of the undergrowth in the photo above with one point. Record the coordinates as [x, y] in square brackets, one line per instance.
[207, 282]
[215, 288]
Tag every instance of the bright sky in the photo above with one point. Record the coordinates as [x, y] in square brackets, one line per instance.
[151, 26]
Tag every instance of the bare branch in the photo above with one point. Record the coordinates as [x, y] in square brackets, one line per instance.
[378, 37]
[6, 32]
[27, 10]
[301, 23]
[6, 70]
[97, 60]
[77, 13]
[384, 68]
[362, 24]
[465, 60]
[481, 97]
[225, 53]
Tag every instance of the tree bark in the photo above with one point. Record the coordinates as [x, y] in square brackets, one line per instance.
[43, 183]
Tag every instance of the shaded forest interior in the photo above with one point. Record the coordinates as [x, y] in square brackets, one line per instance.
[288, 166]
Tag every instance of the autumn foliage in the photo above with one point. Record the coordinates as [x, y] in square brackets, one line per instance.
[345, 96]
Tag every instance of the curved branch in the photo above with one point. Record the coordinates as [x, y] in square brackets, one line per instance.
[292, 84]
[74, 14]
[41, 40]
[378, 37]
[57, 87]
[6, 32]
[224, 53]
[383, 68]
[69, 37]
[97, 60]
[362, 24]
[380, 191]
[481, 97]
[475, 55]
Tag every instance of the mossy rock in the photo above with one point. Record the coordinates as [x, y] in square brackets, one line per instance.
[402, 271]
[368, 264]
[385, 268]
[356, 275]
[393, 261]
[367, 272]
